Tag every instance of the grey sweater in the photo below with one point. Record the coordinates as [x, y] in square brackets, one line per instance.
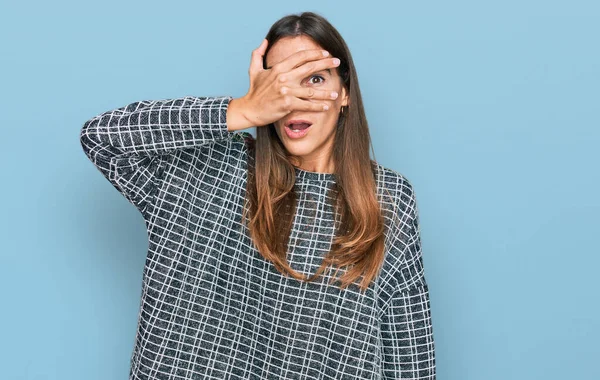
[212, 307]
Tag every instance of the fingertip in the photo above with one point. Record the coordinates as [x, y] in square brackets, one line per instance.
[264, 43]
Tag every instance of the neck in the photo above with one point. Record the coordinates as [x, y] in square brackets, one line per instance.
[318, 165]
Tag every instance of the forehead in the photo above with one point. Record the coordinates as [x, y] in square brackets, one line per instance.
[287, 46]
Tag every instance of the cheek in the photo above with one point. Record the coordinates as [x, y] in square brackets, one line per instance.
[334, 105]
[329, 118]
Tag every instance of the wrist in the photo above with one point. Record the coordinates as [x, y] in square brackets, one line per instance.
[236, 118]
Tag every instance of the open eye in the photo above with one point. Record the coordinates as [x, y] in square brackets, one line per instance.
[310, 79]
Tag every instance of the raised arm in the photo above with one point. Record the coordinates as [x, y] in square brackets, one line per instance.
[406, 328]
[129, 145]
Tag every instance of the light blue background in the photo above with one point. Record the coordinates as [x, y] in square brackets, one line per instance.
[489, 109]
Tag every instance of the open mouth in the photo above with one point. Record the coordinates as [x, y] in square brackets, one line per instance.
[298, 125]
[295, 129]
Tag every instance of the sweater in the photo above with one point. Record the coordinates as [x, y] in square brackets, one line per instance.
[211, 306]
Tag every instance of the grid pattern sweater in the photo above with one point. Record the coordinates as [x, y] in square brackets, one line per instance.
[211, 306]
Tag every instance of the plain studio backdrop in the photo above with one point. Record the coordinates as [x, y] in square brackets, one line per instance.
[491, 110]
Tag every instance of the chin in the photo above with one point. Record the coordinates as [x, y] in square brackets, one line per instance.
[298, 148]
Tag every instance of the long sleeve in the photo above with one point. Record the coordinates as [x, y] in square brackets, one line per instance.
[406, 328]
[129, 145]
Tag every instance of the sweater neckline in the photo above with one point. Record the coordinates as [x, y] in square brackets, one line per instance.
[315, 176]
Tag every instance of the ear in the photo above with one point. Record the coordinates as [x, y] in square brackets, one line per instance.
[344, 97]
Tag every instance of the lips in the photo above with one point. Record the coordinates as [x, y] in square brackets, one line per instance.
[297, 128]
[297, 124]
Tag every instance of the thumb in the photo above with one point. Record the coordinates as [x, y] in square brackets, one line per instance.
[256, 63]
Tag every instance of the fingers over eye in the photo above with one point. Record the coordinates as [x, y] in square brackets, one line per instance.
[308, 105]
[312, 93]
[299, 58]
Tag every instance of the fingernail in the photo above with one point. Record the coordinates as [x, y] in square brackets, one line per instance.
[325, 107]
[325, 53]
[334, 94]
[336, 61]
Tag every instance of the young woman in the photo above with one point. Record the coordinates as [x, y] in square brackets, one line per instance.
[247, 235]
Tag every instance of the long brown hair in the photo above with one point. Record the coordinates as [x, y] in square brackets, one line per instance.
[358, 245]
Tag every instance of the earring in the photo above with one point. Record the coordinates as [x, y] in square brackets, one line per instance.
[342, 110]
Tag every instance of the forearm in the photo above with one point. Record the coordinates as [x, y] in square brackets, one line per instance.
[157, 127]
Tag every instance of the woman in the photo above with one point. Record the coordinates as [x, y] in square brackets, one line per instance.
[244, 233]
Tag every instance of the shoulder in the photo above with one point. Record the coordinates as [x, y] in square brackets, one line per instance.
[395, 191]
[402, 266]
[234, 141]
[245, 138]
